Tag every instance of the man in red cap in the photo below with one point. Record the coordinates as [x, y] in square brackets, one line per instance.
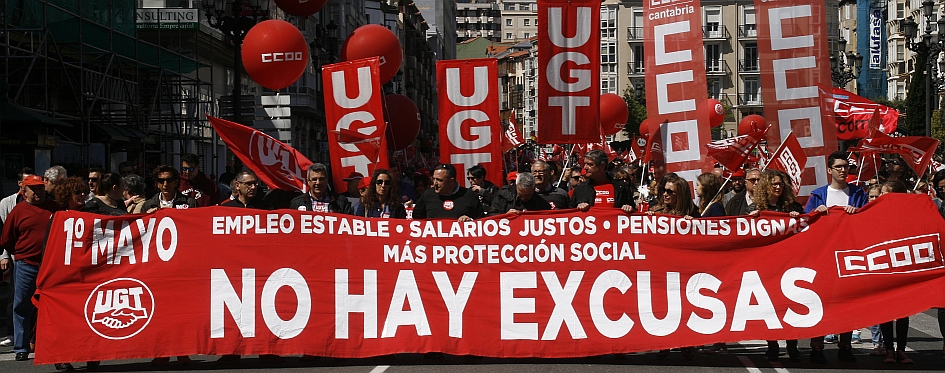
[510, 179]
[737, 183]
[23, 236]
[352, 192]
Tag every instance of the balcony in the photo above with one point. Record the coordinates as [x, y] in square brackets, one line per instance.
[636, 68]
[748, 66]
[749, 99]
[747, 32]
[634, 34]
[722, 97]
[717, 67]
[715, 32]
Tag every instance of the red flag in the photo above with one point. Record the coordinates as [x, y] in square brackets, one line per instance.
[276, 164]
[569, 71]
[355, 117]
[852, 113]
[917, 151]
[791, 159]
[733, 152]
[867, 165]
[512, 138]
[470, 127]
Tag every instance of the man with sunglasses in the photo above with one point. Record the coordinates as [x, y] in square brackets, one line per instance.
[166, 179]
[738, 204]
[196, 184]
[447, 199]
[246, 187]
[851, 197]
[600, 190]
[95, 182]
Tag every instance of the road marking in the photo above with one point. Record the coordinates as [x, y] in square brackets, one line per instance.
[380, 369]
[748, 364]
[924, 319]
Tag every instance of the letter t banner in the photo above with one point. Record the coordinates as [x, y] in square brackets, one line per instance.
[568, 71]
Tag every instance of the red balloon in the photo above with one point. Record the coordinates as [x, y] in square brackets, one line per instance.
[752, 123]
[613, 113]
[716, 112]
[275, 54]
[648, 125]
[301, 8]
[375, 41]
[403, 121]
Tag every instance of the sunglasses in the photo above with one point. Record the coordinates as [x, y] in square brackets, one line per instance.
[383, 182]
[754, 180]
[188, 169]
[249, 184]
[80, 192]
[669, 192]
[95, 179]
[162, 180]
[575, 178]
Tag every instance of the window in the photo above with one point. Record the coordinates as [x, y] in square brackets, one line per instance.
[527, 22]
[508, 21]
[751, 57]
[608, 52]
[715, 88]
[748, 22]
[900, 10]
[528, 35]
[524, 7]
[713, 22]
[638, 62]
[536, 22]
[508, 35]
[509, 6]
[752, 95]
[900, 51]
[901, 90]
[713, 58]
[608, 84]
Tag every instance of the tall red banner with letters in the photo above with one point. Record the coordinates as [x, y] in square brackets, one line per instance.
[537, 284]
[568, 71]
[354, 112]
[470, 127]
[676, 82]
[793, 53]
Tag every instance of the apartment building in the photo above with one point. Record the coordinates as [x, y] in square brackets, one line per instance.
[478, 19]
[519, 19]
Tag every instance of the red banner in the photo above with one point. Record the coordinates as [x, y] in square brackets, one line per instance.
[676, 82]
[354, 112]
[470, 127]
[733, 152]
[513, 137]
[543, 284]
[853, 113]
[568, 71]
[276, 164]
[793, 52]
[791, 159]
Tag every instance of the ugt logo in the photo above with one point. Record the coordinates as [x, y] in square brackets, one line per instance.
[119, 308]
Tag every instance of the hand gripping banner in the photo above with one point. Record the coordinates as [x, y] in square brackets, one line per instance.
[543, 284]
[470, 127]
[793, 51]
[355, 116]
[568, 71]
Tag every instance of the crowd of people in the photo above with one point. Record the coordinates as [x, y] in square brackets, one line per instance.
[423, 193]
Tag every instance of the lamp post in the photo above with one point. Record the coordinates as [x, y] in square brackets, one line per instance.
[845, 68]
[243, 16]
[930, 46]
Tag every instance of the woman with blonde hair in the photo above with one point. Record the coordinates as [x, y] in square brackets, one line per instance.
[774, 193]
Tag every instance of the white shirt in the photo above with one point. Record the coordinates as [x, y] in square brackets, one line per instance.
[838, 197]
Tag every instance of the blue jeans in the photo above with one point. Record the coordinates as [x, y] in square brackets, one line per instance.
[877, 335]
[24, 282]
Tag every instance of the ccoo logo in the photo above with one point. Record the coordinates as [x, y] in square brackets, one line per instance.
[120, 308]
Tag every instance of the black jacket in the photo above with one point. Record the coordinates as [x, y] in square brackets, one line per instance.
[336, 204]
[556, 197]
[396, 211]
[433, 205]
[96, 206]
[180, 201]
[256, 203]
[737, 205]
[586, 193]
[507, 199]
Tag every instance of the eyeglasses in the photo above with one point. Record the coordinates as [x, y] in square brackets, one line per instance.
[95, 179]
[162, 180]
[80, 192]
[669, 192]
[844, 167]
[895, 162]
[188, 169]
[470, 178]
[575, 178]
[754, 179]
[539, 171]
[249, 184]
[383, 182]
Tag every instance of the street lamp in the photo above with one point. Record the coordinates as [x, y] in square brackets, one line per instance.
[845, 68]
[243, 16]
[930, 46]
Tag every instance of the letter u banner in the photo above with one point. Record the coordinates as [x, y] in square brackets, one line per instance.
[676, 82]
[470, 127]
[355, 116]
[793, 53]
[222, 280]
[568, 71]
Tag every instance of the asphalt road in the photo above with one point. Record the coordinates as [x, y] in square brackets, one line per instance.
[925, 348]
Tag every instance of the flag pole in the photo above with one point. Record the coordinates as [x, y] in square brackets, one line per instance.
[716, 194]
[564, 168]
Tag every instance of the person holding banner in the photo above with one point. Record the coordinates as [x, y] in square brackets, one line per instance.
[448, 199]
[600, 190]
[319, 198]
[476, 176]
[544, 173]
[520, 198]
[901, 325]
[381, 199]
[851, 198]
[166, 179]
[738, 204]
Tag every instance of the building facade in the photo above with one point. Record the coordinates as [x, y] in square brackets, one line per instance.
[478, 19]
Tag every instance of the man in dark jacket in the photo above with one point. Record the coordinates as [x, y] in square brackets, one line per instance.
[738, 205]
[476, 176]
[520, 198]
[447, 199]
[544, 174]
[599, 190]
[166, 180]
[319, 198]
[247, 186]
[196, 184]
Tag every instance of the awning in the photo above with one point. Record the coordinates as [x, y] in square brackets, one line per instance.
[11, 112]
[119, 133]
